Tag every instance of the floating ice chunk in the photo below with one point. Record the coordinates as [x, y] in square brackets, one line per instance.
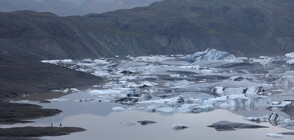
[145, 97]
[180, 101]
[287, 121]
[147, 83]
[179, 126]
[291, 55]
[211, 55]
[66, 61]
[96, 86]
[200, 109]
[118, 109]
[213, 101]
[219, 91]
[158, 101]
[101, 61]
[178, 84]
[275, 120]
[229, 91]
[151, 59]
[141, 108]
[250, 92]
[112, 92]
[242, 78]
[237, 96]
[276, 102]
[101, 73]
[166, 109]
[51, 61]
[186, 108]
[126, 72]
[236, 101]
[128, 77]
[85, 100]
[258, 102]
[146, 122]
[88, 60]
[264, 60]
[243, 58]
[175, 75]
[290, 62]
[253, 91]
[126, 84]
[193, 67]
[63, 91]
[74, 90]
[254, 119]
[286, 81]
[131, 108]
[274, 135]
[152, 108]
[273, 117]
[129, 100]
[59, 99]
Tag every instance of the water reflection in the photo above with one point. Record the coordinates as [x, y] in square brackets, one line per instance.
[109, 127]
[102, 123]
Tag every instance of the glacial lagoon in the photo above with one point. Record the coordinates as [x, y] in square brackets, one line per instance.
[195, 91]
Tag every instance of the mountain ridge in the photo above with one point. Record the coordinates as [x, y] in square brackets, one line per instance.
[241, 27]
[69, 7]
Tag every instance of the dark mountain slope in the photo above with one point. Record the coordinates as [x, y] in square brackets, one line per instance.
[22, 77]
[28, 36]
[39, 36]
[182, 26]
[242, 27]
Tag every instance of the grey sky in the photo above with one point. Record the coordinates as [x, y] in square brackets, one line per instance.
[78, 2]
[71, 7]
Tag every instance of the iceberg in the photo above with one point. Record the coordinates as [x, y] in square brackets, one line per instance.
[210, 55]
[263, 60]
[275, 120]
[179, 126]
[291, 55]
[118, 109]
[290, 62]
[274, 135]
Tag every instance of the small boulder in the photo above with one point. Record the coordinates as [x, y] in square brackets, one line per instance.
[146, 122]
[231, 126]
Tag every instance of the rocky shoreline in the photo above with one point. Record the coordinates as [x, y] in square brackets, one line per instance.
[12, 113]
[36, 81]
[37, 131]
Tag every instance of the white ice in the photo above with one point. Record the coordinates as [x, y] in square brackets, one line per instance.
[118, 109]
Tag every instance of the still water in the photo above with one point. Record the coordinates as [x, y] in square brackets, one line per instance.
[104, 124]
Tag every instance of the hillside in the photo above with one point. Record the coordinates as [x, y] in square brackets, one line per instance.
[23, 77]
[241, 27]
